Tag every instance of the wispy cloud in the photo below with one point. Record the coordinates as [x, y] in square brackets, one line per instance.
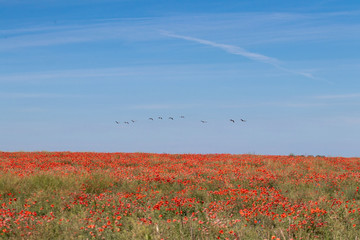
[228, 48]
[160, 72]
[351, 120]
[93, 31]
[19, 95]
[339, 96]
[240, 51]
[163, 106]
[63, 74]
[31, 110]
[260, 28]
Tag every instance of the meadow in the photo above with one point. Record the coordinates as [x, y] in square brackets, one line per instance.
[69, 195]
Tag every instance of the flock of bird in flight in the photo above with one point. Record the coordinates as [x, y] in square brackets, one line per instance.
[171, 118]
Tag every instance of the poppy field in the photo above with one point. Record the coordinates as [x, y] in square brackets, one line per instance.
[69, 195]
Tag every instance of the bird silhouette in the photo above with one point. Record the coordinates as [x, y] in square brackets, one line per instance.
[172, 118]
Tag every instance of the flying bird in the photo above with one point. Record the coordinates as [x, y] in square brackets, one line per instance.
[243, 120]
[126, 122]
[232, 120]
[182, 117]
[203, 121]
[133, 121]
[151, 119]
[159, 117]
[171, 118]
[117, 122]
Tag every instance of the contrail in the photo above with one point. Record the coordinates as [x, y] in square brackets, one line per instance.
[240, 51]
[229, 48]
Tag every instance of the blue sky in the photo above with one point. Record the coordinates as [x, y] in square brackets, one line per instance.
[70, 69]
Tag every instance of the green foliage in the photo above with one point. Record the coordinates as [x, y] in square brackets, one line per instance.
[97, 182]
[176, 197]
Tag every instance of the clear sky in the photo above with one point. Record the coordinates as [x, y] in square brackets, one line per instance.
[70, 69]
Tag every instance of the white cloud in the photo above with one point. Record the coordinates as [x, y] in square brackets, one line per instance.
[260, 28]
[339, 96]
[162, 106]
[166, 72]
[36, 95]
[40, 36]
[229, 48]
[242, 52]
